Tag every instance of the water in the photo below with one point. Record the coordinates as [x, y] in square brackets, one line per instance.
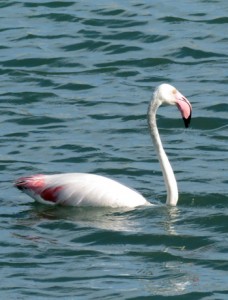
[76, 79]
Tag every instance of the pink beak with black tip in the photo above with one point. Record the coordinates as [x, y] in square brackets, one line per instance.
[185, 108]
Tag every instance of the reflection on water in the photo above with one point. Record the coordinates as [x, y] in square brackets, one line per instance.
[172, 215]
[115, 219]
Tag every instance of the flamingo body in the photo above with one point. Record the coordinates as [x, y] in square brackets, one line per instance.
[79, 189]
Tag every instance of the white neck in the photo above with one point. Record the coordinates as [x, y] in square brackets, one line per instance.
[169, 178]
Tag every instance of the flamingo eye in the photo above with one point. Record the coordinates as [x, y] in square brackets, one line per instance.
[174, 91]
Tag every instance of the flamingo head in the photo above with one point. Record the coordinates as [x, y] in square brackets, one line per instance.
[167, 94]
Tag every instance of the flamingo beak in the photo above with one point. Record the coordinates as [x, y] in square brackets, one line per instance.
[185, 108]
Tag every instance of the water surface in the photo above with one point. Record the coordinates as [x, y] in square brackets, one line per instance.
[76, 80]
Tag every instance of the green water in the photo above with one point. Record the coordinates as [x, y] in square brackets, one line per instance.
[76, 80]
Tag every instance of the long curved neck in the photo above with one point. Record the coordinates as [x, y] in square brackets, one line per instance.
[169, 177]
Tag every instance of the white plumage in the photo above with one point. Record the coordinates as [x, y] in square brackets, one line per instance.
[81, 189]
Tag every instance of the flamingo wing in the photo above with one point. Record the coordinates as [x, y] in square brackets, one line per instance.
[79, 189]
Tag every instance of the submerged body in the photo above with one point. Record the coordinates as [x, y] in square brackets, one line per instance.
[80, 189]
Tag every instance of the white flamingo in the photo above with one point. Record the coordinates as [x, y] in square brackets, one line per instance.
[81, 189]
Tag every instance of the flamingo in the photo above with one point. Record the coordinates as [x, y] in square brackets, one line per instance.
[85, 189]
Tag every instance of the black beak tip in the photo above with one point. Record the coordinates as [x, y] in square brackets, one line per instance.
[187, 121]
